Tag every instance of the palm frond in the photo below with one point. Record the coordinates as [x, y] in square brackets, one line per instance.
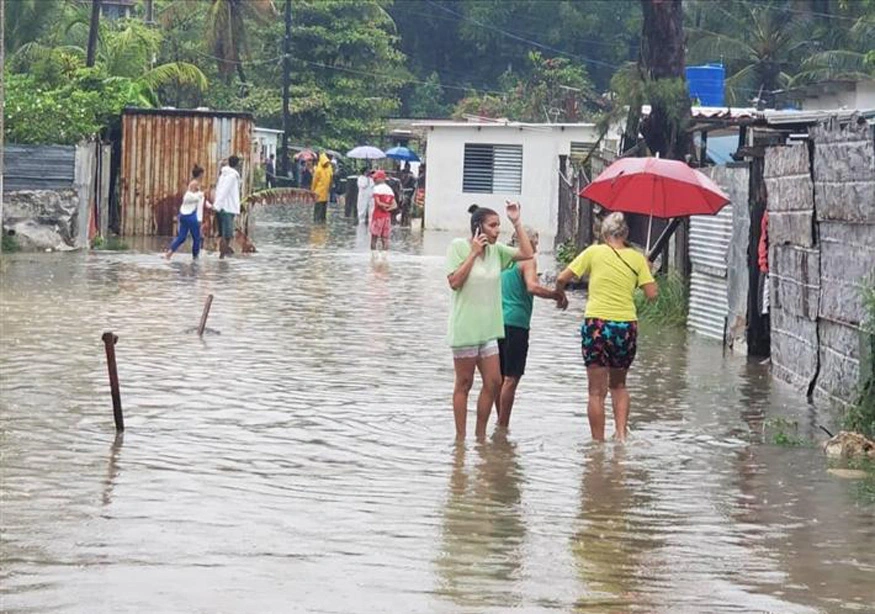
[181, 73]
[739, 84]
[834, 64]
[708, 46]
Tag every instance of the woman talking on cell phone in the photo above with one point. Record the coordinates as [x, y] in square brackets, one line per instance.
[476, 322]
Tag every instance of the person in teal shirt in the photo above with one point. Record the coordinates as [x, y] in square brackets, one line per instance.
[519, 287]
[476, 321]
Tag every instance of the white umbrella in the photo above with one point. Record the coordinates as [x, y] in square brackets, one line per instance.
[366, 152]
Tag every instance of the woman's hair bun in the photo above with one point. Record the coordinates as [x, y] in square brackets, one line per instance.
[473, 208]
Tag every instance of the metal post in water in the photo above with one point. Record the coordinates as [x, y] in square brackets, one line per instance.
[109, 340]
[203, 324]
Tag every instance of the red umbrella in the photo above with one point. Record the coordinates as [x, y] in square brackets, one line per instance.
[655, 187]
[305, 154]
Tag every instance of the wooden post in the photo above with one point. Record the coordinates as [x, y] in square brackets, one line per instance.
[109, 341]
[204, 315]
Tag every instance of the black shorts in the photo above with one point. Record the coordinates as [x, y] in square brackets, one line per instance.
[513, 350]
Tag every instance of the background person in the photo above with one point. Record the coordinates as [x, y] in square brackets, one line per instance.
[191, 214]
[322, 188]
[270, 172]
[381, 215]
[610, 330]
[365, 195]
[476, 322]
[227, 204]
[519, 286]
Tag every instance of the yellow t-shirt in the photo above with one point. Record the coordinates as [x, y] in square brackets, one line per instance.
[613, 277]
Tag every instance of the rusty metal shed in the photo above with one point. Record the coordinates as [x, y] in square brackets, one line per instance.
[159, 149]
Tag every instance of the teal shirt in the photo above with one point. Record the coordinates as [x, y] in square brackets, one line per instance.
[516, 302]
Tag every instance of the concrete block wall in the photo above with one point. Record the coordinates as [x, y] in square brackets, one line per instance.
[821, 204]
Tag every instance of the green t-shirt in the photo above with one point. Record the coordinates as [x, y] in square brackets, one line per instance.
[515, 298]
[475, 311]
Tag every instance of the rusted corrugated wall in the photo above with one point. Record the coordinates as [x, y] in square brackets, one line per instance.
[159, 149]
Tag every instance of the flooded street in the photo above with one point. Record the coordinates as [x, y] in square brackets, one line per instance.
[300, 457]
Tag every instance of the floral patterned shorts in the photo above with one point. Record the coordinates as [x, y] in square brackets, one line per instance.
[606, 343]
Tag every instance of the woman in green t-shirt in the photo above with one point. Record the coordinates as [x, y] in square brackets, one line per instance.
[476, 321]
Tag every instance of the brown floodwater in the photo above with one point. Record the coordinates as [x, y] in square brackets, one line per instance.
[300, 457]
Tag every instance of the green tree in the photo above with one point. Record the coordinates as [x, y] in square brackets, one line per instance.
[762, 45]
[550, 90]
[226, 31]
[346, 73]
[426, 101]
[28, 20]
[471, 44]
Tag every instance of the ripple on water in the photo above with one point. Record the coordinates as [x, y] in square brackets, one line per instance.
[304, 454]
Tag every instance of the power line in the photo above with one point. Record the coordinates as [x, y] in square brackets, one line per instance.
[522, 39]
[787, 9]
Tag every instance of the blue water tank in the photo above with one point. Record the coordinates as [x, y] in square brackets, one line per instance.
[706, 84]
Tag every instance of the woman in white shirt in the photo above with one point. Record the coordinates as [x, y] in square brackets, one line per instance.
[191, 214]
[365, 196]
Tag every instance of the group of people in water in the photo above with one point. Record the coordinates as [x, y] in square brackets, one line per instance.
[494, 286]
[491, 308]
[225, 203]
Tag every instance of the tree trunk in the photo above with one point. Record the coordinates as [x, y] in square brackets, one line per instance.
[93, 31]
[662, 64]
[244, 86]
[287, 76]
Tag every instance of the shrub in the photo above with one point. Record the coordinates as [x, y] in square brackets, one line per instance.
[566, 252]
[671, 306]
[860, 416]
[10, 243]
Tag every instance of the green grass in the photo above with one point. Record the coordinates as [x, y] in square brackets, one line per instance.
[566, 252]
[10, 244]
[111, 244]
[671, 306]
[860, 417]
[785, 432]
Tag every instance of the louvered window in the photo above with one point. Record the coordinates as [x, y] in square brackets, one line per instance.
[493, 169]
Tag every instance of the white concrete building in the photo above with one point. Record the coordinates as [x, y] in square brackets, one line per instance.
[265, 142]
[856, 94]
[490, 162]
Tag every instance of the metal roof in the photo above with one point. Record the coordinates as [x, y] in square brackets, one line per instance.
[199, 112]
[772, 117]
[499, 123]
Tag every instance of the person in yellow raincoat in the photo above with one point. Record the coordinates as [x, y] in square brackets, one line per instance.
[322, 178]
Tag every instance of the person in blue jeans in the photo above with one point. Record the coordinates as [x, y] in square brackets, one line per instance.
[191, 214]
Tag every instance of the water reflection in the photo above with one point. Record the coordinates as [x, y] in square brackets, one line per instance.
[112, 471]
[483, 530]
[612, 539]
[305, 453]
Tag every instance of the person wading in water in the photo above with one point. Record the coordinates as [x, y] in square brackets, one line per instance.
[519, 286]
[609, 334]
[476, 322]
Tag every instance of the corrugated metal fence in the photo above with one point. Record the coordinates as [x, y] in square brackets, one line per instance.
[709, 244]
[159, 149]
[38, 167]
[718, 255]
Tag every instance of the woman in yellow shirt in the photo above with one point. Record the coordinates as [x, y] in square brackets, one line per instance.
[610, 329]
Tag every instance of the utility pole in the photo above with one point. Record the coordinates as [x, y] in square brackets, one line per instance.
[2, 102]
[287, 76]
[92, 33]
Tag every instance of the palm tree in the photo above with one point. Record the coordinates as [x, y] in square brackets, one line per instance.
[27, 20]
[226, 31]
[124, 55]
[849, 52]
[761, 45]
